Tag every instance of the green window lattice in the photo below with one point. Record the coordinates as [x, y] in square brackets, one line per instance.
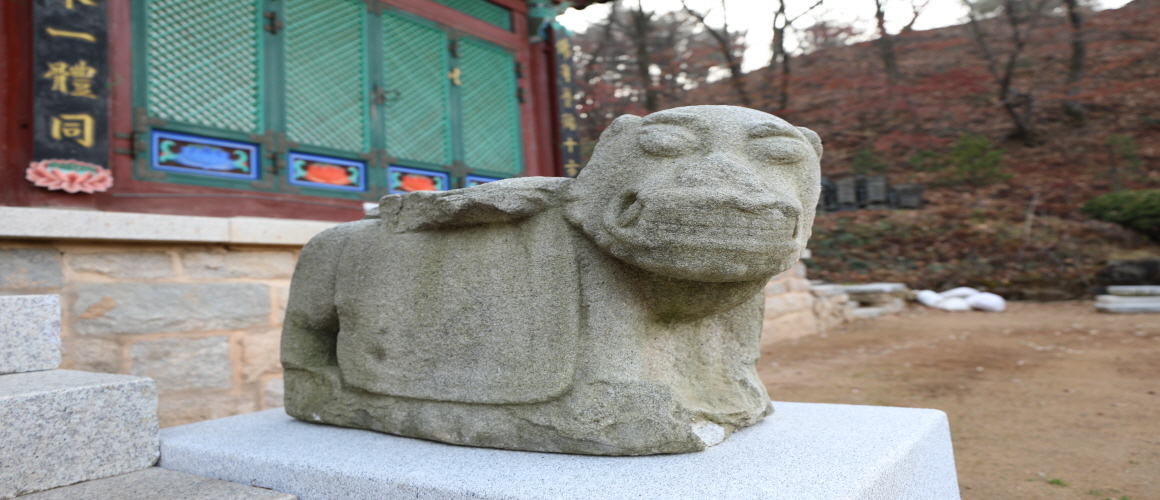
[483, 10]
[416, 91]
[326, 74]
[490, 111]
[203, 62]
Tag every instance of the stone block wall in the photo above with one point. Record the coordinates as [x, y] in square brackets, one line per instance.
[203, 320]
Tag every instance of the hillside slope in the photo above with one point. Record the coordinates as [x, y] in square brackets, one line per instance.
[1015, 229]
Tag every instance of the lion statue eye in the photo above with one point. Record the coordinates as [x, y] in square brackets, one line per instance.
[779, 150]
[667, 140]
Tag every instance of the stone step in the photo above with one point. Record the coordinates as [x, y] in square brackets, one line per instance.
[803, 451]
[60, 427]
[1128, 299]
[156, 483]
[876, 288]
[869, 312]
[1128, 307]
[29, 333]
[1145, 290]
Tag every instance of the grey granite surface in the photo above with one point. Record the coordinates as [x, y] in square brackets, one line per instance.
[61, 427]
[801, 452]
[156, 483]
[29, 333]
[617, 313]
[1136, 290]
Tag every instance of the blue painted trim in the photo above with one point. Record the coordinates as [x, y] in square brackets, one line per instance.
[392, 169]
[157, 135]
[361, 166]
[479, 179]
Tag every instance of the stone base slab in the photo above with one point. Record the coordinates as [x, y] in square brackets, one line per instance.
[803, 451]
[60, 427]
[156, 483]
[29, 333]
[1129, 291]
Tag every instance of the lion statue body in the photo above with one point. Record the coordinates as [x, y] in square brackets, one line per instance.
[618, 313]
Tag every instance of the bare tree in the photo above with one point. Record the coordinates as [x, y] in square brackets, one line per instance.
[1075, 67]
[729, 50]
[781, 58]
[639, 29]
[1020, 17]
[885, 41]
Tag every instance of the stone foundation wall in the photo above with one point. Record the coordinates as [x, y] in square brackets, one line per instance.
[197, 303]
[203, 320]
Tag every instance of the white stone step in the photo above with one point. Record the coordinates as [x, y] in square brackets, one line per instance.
[1128, 307]
[156, 483]
[1128, 299]
[867, 312]
[875, 288]
[1146, 290]
[60, 427]
[29, 333]
[803, 451]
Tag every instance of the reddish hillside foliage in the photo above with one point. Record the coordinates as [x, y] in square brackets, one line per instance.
[1019, 232]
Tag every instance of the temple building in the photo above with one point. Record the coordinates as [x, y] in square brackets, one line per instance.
[163, 162]
[277, 108]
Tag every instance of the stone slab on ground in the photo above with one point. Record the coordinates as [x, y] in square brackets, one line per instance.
[1145, 290]
[1127, 305]
[876, 288]
[156, 483]
[60, 427]
[29, 333]
[803, 451]
[868, 312]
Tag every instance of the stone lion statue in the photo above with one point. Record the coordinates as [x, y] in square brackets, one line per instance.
[617, 313]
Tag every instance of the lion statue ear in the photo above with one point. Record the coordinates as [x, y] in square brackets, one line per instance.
[815, 141]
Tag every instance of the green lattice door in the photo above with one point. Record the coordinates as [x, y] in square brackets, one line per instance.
[416, 107]
[489, 108]
[319, 97]
[450, 101]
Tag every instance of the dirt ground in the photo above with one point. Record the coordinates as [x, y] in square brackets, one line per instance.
[1045, 400]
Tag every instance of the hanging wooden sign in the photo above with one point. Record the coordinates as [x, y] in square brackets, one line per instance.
[70, 96]
[569, 121]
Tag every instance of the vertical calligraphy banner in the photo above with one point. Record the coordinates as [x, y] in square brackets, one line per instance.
[569, 122]
[70, 98]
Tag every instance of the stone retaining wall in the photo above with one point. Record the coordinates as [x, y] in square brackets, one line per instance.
[202, 320]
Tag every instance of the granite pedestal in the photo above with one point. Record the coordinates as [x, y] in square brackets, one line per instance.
[803, 451]
[60, 427]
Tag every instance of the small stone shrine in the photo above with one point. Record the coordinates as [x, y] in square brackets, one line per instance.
[617, 313]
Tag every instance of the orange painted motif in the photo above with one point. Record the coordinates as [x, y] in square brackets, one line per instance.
[416, 183]
[326, 174]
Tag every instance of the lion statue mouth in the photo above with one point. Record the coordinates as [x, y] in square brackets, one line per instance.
[703, 239]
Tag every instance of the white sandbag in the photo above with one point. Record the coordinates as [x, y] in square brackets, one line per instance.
[962, 291]
[954, 304]
[929, 298]
[987, 302]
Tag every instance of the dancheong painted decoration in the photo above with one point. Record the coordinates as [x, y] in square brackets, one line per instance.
[327, 173]
[475, 180]
[406, 180]
[191, 154]
[70, 176]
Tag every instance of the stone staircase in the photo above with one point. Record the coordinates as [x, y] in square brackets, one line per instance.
[68, 434]
[1130, 299]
